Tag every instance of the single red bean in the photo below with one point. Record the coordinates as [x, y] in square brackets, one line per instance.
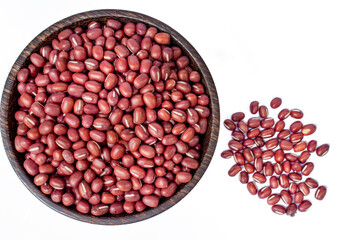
[320, 193]
[322, 150]
[183, 177]
[229, 124]
[275, 103]
[285, 145]
[311, 183]
[286, 197]
[304, 188]
[273, 199]
[264, 192]
[254, 107]
[279, 126]
[235, 169]
[283, 114]
[252, 188]
[238, 116]
[291, 210]
[259, 178]
[278, 209]
[311, 146]
[274, 183]
[296, 113]
[263, 111]
[298, 197]
[308, 129]
[304, 206]
[307, 168]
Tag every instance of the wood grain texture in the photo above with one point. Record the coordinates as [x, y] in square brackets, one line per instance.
[9, 106]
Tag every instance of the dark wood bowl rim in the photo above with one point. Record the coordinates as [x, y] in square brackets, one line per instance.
[7, 116]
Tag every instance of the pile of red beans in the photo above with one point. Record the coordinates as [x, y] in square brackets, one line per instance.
[274, 156]
[110, 117]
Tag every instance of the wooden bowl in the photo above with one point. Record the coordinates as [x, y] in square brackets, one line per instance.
[9, 106]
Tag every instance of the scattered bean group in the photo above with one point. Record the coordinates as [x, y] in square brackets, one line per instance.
[110, 117]
[265, 152]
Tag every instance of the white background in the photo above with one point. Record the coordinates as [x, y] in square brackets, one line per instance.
[306, 52]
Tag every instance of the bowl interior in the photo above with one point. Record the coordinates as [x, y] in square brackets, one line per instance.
[10, 106]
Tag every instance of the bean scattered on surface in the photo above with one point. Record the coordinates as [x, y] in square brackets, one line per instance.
[275, 158]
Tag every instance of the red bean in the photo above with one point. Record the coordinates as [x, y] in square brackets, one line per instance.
[254, 107]
[320, 193]
[304, 206]
[322, 150]
[252, 188]
[291, 210]
[283, 114]
[264, 192]
[238, 116]
[311, 183]
[275, 103]
[308, 129]
[278, 209]
[230, 125]
[273, 199]
[73, 82]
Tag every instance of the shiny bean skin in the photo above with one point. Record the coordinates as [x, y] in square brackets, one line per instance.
[304, 206]
[278, 209]
[320, 193]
